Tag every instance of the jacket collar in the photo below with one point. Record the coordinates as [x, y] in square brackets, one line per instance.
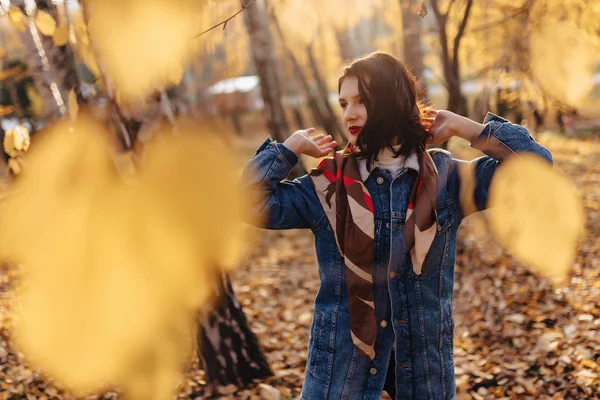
[411, 162]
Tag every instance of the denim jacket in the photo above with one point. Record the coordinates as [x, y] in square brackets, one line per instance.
[413, 312]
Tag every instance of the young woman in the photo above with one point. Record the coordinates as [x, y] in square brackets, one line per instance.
[384, 212]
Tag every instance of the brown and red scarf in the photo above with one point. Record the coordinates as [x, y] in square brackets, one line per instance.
[349, 209]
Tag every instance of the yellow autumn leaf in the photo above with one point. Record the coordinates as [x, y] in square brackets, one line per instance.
[89, 59]
[119, 267]
[14, 166]
[16, 140]
[36, 104]
[61, 35]
[537, 214]
[563, 61]
[45, 23]
[590, 364]
[142, 50]
[73, 107]
[299, 21]
[17, 18]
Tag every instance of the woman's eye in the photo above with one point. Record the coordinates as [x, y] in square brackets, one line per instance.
[343, 105]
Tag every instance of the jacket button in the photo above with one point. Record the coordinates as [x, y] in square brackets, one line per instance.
[392, 274]
[373, 371]
[383, 324]
[380, 180]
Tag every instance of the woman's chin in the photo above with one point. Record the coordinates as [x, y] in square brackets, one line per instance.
[351, 138]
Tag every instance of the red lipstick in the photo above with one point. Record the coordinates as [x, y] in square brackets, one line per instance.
[354, 130]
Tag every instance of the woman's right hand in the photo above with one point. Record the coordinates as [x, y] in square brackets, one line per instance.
[300, 142]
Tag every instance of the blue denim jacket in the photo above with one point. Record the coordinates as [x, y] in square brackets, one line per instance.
[414, 313]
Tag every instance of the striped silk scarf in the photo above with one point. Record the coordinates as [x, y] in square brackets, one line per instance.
[349, 209]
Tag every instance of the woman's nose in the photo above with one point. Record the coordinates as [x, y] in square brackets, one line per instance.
[350, 115]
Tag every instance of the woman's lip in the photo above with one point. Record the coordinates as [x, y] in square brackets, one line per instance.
[354, 130]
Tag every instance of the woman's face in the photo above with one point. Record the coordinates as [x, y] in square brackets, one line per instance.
[354, 112]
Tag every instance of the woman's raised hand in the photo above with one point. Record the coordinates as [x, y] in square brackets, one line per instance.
[301, 142]
[443, 124]
[439, 124]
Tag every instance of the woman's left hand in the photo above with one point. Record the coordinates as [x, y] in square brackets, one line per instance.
[439, 125]
[443, 124]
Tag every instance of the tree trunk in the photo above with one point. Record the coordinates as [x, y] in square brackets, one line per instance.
[316, 107]
[227, 349]
[344, 44]
[313, 101]
[237, 123]
[450, 55]
[450, 61]
[263, 54]
[298, 117]
[411, 35]
[375, 25]
[331, 122]
[454, 92]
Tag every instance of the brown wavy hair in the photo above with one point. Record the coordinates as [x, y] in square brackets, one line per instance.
[389, 92]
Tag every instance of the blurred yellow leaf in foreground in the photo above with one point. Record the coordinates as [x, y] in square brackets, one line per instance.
[143, 44]
[300, 21]
[563, 62]
[537, 214]
[116, 267]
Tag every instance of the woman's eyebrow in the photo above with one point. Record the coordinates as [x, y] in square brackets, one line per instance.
[353, 97]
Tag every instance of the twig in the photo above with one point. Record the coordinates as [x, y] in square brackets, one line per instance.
[501, 21]
[461, 31]
[224, 23]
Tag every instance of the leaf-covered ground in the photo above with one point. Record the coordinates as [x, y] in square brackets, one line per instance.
[517, 337]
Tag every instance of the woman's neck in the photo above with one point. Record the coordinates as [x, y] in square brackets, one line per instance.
[386, 159]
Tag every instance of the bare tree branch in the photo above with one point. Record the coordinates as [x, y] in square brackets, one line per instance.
[494, 24]
[450, 7]
[443, 42]
[441, 19]
[436, 10]
[461, 32]
[224, 23]
[495, 66]
[510, 12]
